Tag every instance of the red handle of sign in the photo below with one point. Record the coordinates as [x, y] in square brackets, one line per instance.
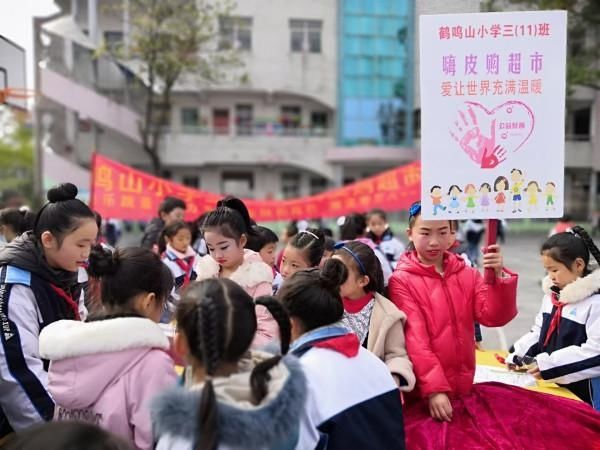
[492, 233]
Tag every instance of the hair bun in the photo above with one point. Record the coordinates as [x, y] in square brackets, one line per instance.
[103, 261]
[333, 275]
[62, 193]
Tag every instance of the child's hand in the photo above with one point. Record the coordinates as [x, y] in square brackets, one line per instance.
[440, 407]
[492, 259]
[535, 373]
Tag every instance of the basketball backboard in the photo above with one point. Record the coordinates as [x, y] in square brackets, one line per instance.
[12, 71]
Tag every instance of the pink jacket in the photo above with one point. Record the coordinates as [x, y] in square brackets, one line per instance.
[256, 277]
[107, 372]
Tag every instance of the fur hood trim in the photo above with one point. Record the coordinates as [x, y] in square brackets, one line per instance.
[69, 339]
[252, 272]
[241, 424]
[578, 290]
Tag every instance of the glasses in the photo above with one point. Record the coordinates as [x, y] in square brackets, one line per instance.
[342, 246]
[414, 210]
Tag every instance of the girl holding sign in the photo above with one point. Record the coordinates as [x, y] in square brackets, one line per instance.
[442, 299]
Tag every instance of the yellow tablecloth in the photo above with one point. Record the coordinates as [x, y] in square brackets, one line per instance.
[487, 358]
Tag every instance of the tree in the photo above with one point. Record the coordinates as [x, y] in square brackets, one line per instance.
[16, 155]
[173, 41]
[583, 63]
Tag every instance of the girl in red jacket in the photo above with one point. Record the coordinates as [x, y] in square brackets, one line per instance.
[442, 298]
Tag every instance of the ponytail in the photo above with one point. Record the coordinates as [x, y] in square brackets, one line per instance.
[282, 318]
[588, 241]
[210, 338]
[260, 377]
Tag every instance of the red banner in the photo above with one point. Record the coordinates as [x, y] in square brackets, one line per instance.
[121, 192]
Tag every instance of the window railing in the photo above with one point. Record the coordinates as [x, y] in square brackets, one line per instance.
[255, 130]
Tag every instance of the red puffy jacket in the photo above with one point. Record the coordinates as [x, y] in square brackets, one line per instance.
[441, 311]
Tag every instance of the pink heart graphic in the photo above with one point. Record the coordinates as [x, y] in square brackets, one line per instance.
[488, 137]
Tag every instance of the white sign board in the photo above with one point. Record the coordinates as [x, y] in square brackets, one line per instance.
[492, 114]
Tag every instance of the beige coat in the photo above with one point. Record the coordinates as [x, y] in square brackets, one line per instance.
[386, 339]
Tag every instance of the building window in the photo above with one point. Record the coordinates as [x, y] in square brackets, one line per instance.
[318, 185]
[244, 119]
[220, 121]
[291, 118]
[290, 184]
[192, 181]
[318, 123]
[235, 33]
[305, 35]
[190, 118]
[113, 39]
[582, 119]
[240, 184]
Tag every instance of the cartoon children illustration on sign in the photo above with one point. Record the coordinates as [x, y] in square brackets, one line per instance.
[532, 191]
[484, 199]
[436, 198]
[516, 176]
[500, 185]
[471, 193]
[453, 193]
[550, 192]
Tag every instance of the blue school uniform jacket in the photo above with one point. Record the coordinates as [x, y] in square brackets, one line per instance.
[571, 357]
[352, 399]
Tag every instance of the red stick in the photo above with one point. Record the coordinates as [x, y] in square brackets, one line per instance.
[492, 232]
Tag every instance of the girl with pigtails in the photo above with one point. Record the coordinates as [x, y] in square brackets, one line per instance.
[232, 398]
[565, 338]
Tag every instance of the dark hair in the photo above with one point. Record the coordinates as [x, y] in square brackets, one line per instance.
[313, 296]
[435, 187]
[377, 212]
[218, 319]
[516, 170]
[68, 435]
[312, 244]
[486, 185]
[329, 245]
[127, 272]
[231, 218]
[262, 237]
[551, 182]
[354, 226]
[327, 232]
[537, 186]
[454, 186]
[291, 229]
[169, 232]
[566, 247]
[499, 179]
[169, 204]
[19, 219]
[369, 262]
[62, 214]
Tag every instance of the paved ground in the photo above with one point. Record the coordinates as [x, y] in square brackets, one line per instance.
[521, 253]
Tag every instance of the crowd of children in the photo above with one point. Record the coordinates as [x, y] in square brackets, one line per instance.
[356, 344]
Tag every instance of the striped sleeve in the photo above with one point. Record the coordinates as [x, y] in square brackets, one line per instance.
[23, 381]
[575, 362]
[528, 344]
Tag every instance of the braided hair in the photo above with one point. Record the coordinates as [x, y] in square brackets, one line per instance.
[566, 247]
[218, 319]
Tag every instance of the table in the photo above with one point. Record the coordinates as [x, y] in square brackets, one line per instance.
[487, 358]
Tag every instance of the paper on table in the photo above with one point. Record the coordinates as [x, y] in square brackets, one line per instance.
[502, 375]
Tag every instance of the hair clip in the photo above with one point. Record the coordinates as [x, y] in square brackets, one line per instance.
[311, 233]
[415, 209]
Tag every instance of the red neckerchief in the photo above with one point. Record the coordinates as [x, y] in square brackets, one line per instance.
[356, 305]
[347, 344]
[187, 266]
[68, 299]
[555, 322]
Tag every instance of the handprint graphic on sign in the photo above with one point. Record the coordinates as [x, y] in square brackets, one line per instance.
[488, 137]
